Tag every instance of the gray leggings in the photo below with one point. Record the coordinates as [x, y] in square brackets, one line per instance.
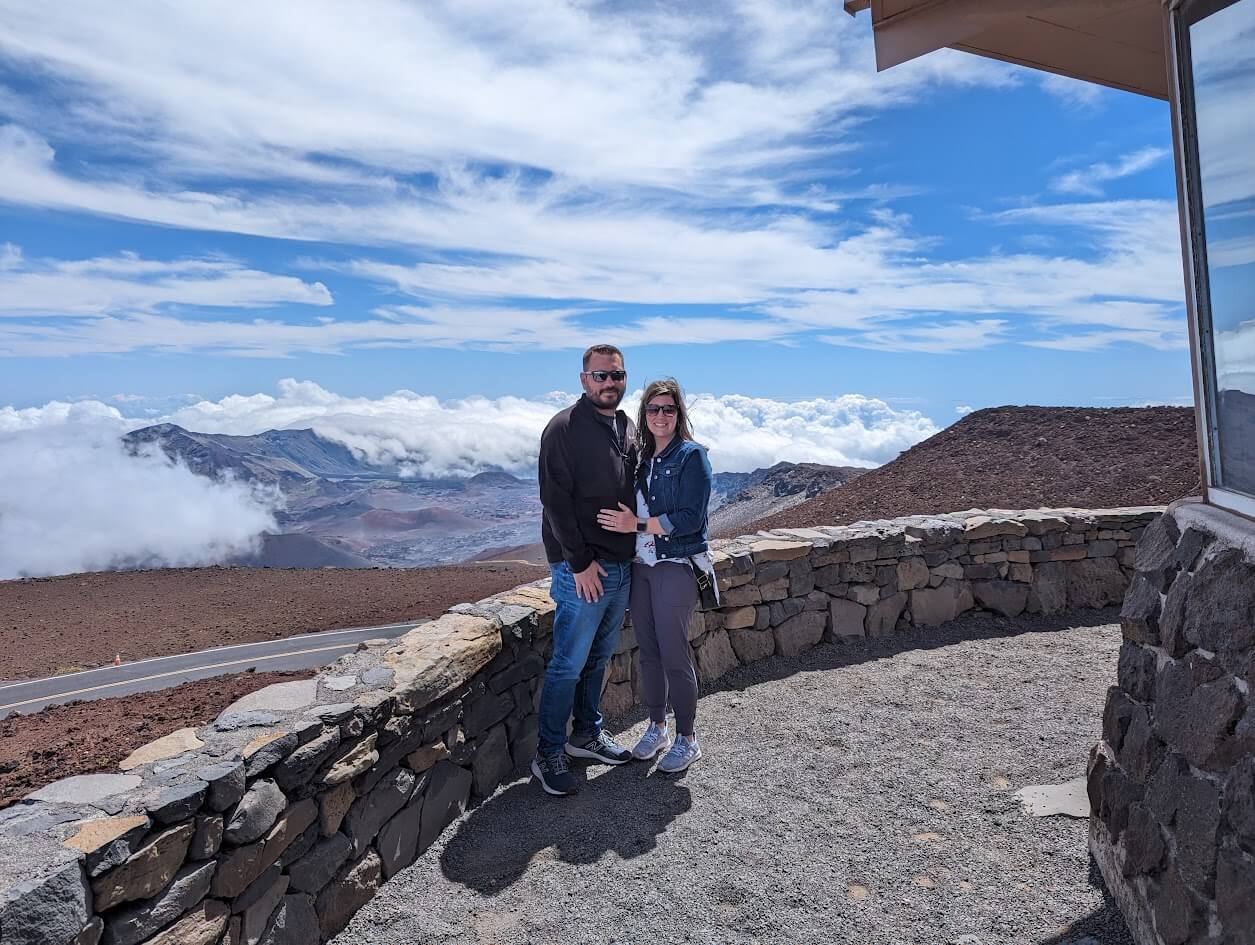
[662, 602]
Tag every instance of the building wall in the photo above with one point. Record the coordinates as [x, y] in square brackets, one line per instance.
[1172, 784]
[279, 820]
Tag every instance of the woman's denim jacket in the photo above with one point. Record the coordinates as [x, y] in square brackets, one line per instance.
[677, 494]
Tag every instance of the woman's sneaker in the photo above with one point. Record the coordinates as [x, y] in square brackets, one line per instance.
[652, 742]
[554, 774]
[601, 747]
[684, 751]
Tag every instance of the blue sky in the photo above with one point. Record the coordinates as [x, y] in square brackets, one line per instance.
[454, 199]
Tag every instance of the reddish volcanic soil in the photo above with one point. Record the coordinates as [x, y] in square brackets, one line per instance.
[1022, 457]
[77, 621]
[94, 736]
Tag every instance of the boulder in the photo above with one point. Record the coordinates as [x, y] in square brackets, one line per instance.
[800, 632]
[751, 645]
[882, 616]
[912, 573]
[352, 762]
[204, 925]
[295, 923]
[226, 782]
[256, 916]
[316, 868]
[369, 813]
[445, 799]
[715, 656]
[398, 840]
[1008, 598]
[256, 812]
[352, 888]
[85, 788]
[1096, 582]
[107, 841]
[333, 805]
[847, 619]
[133, 924]
[931, 606]
[146, 872]
[1048, 593]
[492, 761]
[50, 904]
[207, 839]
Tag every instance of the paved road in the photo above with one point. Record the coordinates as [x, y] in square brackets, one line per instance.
[299, 652]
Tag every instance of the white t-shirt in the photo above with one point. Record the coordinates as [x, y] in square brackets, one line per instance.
[646, 550]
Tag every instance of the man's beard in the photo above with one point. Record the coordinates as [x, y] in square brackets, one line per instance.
[615, 398]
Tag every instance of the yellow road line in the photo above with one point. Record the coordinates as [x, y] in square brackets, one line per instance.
[178, 672]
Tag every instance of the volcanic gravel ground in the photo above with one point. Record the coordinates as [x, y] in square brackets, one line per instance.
[857, 794]
[86, 737]
[78, 621]
[1022, 458]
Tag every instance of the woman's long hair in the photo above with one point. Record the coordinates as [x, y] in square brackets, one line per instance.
[671, 387]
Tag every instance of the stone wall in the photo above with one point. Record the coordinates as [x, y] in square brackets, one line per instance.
[275, 823]
[1172, 785]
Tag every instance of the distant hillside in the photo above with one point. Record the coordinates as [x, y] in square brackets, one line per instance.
[1022, 457]
[295, 550]
[771, 491]
[276, 456]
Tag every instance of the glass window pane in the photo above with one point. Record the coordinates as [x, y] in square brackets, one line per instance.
[1222, 50]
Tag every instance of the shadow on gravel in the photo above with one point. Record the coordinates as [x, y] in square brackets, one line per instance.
[1105, 925]
[622, 810]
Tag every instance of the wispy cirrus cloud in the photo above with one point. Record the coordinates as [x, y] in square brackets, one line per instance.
[498, 176]
[1088, 181]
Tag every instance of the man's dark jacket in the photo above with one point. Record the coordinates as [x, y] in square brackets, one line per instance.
[583, 469]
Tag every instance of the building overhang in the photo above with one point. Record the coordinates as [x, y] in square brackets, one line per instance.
[1118, 43]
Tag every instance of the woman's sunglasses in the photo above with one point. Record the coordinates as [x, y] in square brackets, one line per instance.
[667, 410]
[602, 376]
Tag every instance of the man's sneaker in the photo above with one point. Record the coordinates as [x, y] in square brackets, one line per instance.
[652, 742]
[684, 751]
[554, 774]
[601, 747]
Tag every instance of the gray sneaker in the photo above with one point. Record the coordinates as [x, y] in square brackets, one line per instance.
[684, 751]
[656, 739]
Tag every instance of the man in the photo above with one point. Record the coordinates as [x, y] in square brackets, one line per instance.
[587, 463]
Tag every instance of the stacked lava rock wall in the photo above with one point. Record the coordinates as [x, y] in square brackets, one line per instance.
[1172, 785]
[276, 822]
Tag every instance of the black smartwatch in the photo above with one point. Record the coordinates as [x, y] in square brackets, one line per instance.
[642, 524]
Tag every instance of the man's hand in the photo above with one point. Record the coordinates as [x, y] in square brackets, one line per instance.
[588, 583]
[622, 519]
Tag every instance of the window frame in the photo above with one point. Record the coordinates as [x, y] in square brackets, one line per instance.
[1179, 18]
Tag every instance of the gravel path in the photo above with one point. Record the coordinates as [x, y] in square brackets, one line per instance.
[857, 794]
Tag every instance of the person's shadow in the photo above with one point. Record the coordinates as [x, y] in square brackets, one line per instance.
[621, 809]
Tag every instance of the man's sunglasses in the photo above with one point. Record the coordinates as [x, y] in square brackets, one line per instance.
[602, 376]
[667, 410]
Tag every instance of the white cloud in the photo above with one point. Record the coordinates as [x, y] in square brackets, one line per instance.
[1075, 92]
[572, 153]
[129, 283]
[1088, 181]
[437, 437]
[1235, 357]
[74, 500]
[962, 409]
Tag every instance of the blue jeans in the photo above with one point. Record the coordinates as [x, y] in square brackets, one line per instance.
[584, 638]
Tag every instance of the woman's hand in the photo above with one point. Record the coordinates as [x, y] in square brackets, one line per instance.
[622, 520]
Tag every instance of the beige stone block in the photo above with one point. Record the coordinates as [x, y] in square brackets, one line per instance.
[335, 804]
[204, 925]
[773, 549]
[94, 835]
[983, 526]
[740, 618]
[353, 762]
[912, 573]
[422, 759]
[435, 658]
[165, 747]
[1069, 553]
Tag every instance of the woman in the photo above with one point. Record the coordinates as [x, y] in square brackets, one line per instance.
[672, 491]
